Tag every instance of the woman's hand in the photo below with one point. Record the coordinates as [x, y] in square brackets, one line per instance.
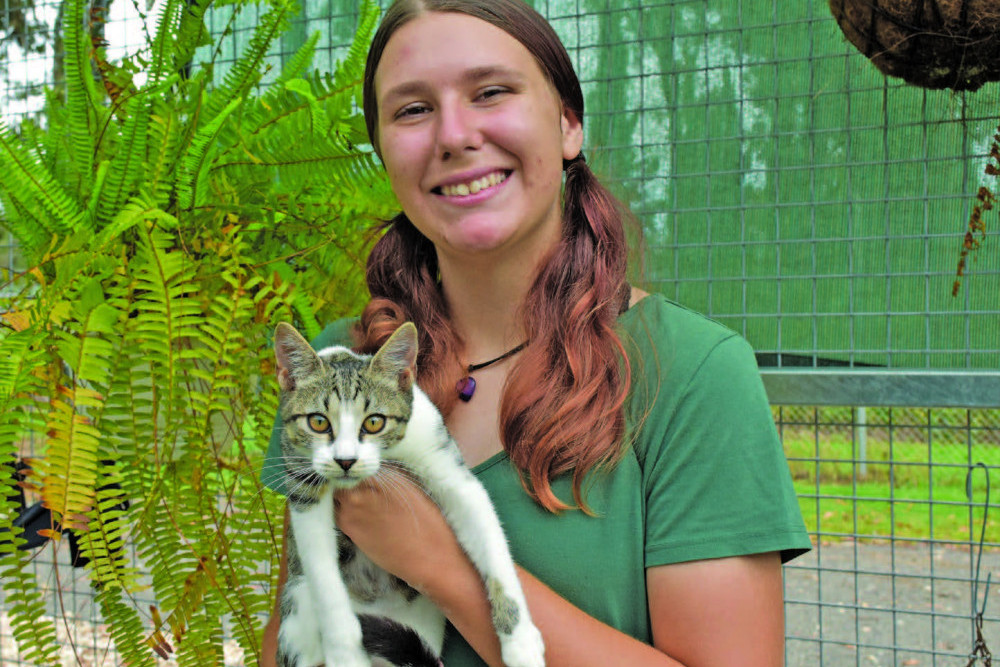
[402, 531]
[400, 528]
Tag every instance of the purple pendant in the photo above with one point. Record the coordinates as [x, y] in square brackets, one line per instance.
[466, 387]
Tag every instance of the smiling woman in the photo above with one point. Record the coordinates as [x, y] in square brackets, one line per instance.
[622, 438]
[473, 147]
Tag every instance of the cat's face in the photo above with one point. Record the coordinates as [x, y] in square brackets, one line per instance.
[342, 413]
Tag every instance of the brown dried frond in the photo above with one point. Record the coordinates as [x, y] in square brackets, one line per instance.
[975, 232]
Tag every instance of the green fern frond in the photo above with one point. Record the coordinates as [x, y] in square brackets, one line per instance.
[20, 357]
[250, 538]
[350, 69]
[34, 185]
[168, 310]
[299, 300]
[126, 165]
[298, 63]
[173, 568]
[126, 168]
[104, 542]
[126, 627]
[221, 344]
[296, 157]
[15, 367]
[192, 184]
[318, 119]
[69, 468]
[81, 91]
[26, 222]
[288, 99]
[164, 147]
[191, 33]
[246, 72]
[163, 47]
[32, 628]
[140, 209]
[95, 194]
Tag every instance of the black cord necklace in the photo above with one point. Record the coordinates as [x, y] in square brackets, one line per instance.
[466, 387]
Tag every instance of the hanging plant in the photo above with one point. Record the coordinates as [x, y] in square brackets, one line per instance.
[934, 44]
[928, 43]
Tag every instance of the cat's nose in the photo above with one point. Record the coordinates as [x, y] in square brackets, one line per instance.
[345, 464]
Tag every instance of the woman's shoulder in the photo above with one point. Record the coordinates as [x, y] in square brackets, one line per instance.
[686, 369]
[656, 325]
[674, 351]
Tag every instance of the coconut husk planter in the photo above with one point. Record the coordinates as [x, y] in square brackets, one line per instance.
[929, 43]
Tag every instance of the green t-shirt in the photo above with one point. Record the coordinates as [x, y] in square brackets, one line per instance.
[705, 476]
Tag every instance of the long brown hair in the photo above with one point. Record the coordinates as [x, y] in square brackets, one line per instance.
[562, 407]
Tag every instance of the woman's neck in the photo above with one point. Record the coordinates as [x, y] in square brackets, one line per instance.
[484, 302]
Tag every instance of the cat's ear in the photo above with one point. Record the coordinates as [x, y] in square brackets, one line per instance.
[296, 358]
[398, 356]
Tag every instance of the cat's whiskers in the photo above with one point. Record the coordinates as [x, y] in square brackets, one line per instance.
[295, 485]
[254, 473]
[392, 479]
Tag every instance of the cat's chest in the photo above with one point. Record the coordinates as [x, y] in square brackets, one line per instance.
[475, 425]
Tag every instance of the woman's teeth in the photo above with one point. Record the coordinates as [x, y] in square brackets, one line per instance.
[472, 187]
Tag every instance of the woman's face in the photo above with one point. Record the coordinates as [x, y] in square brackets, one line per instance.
[473, 136]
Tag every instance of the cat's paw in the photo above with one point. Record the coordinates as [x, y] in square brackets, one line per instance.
[523, 647]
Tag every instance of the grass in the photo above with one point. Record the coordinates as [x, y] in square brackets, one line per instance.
[868, 512]
[910, 481]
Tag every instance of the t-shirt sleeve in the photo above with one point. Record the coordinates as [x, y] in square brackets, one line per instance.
[272, 473]
[716, 480]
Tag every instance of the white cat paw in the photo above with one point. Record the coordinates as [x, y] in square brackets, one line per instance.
[523, 647]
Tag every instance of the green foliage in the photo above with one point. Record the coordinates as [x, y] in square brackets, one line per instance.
[168, 226]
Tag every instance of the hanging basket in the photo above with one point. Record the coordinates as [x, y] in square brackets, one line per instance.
[928, 43]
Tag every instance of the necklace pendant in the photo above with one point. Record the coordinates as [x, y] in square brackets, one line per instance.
[466, 387]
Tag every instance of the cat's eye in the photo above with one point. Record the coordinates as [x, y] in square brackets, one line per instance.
[373, 424]
[318, 423]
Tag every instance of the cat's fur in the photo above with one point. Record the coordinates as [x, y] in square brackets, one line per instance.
[347, 418]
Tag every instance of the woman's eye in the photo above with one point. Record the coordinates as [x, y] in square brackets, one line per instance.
[412, 110]
[318, 423]
[373, 424]
[491, 92]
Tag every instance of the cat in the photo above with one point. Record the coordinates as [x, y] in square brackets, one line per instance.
[347, 418]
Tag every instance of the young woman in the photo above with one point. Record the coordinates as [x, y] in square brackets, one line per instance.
[627, 443]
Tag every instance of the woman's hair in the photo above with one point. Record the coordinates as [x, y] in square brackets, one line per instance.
[562, 407]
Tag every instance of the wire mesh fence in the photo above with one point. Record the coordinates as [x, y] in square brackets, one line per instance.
[787, 189]
[899, 505]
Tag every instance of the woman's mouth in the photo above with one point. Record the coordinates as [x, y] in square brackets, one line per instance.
[474, 186]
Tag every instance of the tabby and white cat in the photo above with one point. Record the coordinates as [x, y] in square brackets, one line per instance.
[347, 418]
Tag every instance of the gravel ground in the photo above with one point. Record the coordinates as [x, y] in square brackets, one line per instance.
[846, 607]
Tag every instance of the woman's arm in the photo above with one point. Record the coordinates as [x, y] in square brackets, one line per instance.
[269, 641]
[725, 611]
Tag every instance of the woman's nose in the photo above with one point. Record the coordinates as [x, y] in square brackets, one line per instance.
[458, 130]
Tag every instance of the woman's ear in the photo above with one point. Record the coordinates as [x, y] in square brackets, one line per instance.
[572, 134]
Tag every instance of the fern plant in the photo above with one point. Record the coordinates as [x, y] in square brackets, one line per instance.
[168, 226]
